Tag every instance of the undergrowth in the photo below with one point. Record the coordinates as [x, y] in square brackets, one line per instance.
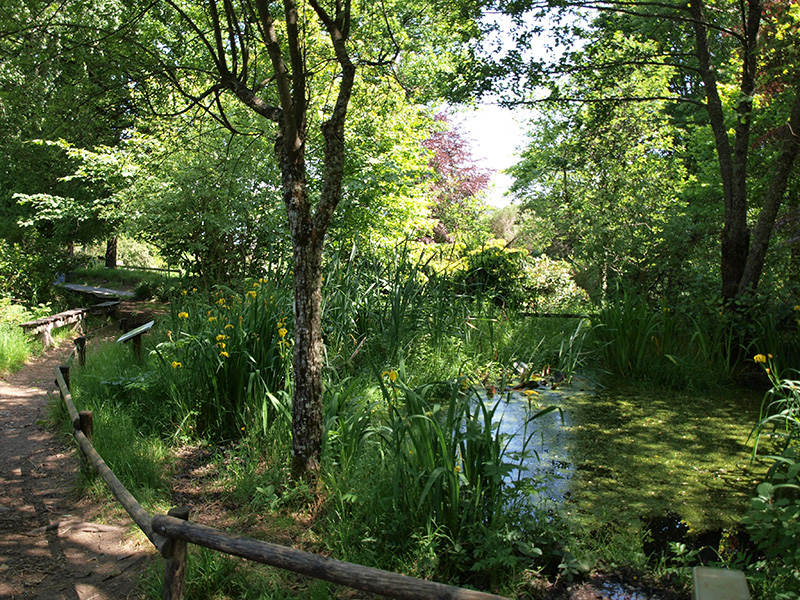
[416, 475]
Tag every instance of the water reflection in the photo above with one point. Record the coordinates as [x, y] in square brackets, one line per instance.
[549, 463]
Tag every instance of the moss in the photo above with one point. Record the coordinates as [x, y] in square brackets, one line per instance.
[640, 452]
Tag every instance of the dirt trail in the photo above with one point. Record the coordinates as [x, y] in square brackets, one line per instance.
[49, 546]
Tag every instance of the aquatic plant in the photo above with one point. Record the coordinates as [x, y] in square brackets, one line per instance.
[774, 517]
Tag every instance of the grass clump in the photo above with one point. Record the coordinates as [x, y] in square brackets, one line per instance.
[16, 347]
[774, 516]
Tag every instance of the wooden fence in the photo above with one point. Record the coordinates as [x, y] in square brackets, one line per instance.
[171, 533]
[168, 270]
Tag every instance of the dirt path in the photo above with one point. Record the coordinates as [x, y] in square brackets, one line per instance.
[50, 548]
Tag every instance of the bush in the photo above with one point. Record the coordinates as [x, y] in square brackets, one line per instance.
[28, 269]
[774, 518]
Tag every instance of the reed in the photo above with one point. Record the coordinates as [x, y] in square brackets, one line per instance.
[228, 356]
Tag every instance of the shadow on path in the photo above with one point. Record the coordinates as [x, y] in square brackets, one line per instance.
[49, 548]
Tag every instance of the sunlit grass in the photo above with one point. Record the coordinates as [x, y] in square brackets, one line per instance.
[15, 348]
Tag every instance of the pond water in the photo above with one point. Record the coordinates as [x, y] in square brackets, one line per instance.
[550, 463]
[676, 463]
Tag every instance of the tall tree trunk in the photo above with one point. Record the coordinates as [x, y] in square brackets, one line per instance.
[111, 253]
[735, 243]
[772, 201]
[307, 243]
[306, 224]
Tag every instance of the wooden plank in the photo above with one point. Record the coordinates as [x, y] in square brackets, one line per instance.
[98, 292]
[718, 584]
[385, 583]
[56, 320]
[136, 332]
[45, 325]
[105, 307]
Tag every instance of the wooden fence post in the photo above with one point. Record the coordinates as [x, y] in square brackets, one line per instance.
[85, 423]
[123, 325]
[65, 374]
[137, 347]
[80, 346]
[175, 561]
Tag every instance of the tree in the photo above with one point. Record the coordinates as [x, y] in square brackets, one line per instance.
[605, 181]
[737, 62]
[293, 64]
[202, 197]
[457, 182]
[56, 86]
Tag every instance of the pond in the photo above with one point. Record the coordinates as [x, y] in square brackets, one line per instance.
[633, 454]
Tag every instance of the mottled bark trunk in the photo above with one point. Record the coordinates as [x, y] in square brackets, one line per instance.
[308, 361]
[307, 244]
[111, 253]
[307, 226]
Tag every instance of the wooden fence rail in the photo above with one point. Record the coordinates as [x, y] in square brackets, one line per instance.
[139, 515]
[171, 533]
[156, 269]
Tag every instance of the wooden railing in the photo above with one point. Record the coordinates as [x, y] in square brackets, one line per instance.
[171, 533]
[168, 270]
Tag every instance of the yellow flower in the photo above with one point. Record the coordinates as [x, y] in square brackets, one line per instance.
[282, 332]
[251, 294]
[176, 364]
[797, 307]
[229, 326]
[392, 375]
[183, 315]
[221, 345]
[224, 354]
[457, 469]
[183, 292]
[222, 337]
[256, 284]
[760, 358]
[212, 319]
[530, 392]
[221, 301]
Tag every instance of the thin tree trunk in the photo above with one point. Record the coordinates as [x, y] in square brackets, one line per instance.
[735, 240]
[772, 202]
[111, 253]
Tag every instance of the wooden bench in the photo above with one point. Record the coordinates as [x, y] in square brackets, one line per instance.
[136, 336]
[43, 327]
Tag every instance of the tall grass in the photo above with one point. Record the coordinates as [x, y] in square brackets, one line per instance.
[15, 346]
[128, 415]
[227, 357]
[453, 474]
[677, 349]
[774, 517]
